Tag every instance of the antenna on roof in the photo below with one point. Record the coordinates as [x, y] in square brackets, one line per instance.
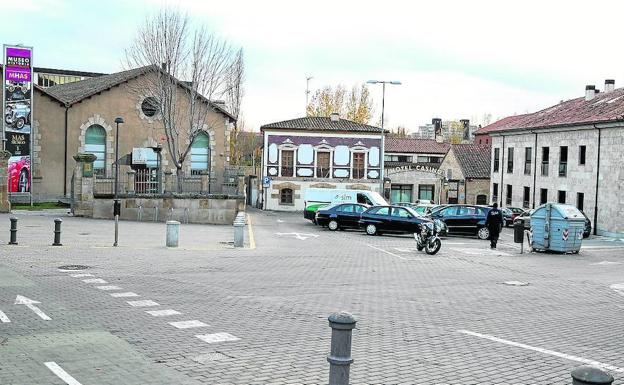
[308, 78]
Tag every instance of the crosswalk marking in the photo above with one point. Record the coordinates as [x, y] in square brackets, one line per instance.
[163, 313]
[126, 294]
[217, 337]
[188, 324]
[108, 288]
[81, 275]
[143, 303]
[94, 280]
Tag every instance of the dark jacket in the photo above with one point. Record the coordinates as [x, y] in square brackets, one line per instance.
[494, 221]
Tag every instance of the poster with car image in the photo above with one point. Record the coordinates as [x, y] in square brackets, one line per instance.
[17, 106]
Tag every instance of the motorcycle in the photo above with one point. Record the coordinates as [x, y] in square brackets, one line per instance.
[428, 238]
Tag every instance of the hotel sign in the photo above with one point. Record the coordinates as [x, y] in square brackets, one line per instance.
[417, 167]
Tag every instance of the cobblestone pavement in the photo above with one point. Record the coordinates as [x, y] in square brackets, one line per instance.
[210, 314]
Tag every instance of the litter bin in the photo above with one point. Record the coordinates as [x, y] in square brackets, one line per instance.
[518, 231]
[557, 227]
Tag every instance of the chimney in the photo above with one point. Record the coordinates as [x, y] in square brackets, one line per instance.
[437, 127]
[334, 116]
[609, 85]
[466, 125]
[590, 92]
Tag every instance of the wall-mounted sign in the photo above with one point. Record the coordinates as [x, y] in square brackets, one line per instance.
[87, 169]
[418, 167]
[17, 107]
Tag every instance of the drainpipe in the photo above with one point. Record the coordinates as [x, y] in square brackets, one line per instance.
[65, 152]
[502, 171]
[534, 171]
[597, 182]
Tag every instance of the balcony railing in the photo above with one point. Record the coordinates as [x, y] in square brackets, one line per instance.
[322, 172]
[358, 173]
[287, 171]
[563, 169]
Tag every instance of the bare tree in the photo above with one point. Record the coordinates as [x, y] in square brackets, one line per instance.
[190, 68]
[235, 78]
[356, 105]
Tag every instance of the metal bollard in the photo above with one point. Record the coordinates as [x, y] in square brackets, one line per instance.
[339, 358]
[13, 231]
[591, 375]
[57, 232]
[173, 233]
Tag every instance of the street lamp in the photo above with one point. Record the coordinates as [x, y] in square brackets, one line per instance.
[383, 136]
[117, 120]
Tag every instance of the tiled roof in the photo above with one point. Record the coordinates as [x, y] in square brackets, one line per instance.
[71, 93]
[499, 123]
[604, 107]
[318, 123]
[416, 146]
[474, 160]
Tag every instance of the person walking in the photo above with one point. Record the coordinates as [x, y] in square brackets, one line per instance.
[494, 223]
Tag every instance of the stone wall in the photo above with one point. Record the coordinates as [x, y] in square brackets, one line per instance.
[202, 210]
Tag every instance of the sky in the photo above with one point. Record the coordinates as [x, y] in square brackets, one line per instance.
[455, 59]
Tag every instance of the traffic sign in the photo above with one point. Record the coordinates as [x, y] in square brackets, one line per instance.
[266, 181]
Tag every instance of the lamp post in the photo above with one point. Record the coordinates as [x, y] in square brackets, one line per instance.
[383, 136]
[116, 205]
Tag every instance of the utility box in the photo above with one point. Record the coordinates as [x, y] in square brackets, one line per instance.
[557, 227]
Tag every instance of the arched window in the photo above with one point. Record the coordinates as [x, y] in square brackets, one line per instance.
[286, 196]
[95, 143]
[200, 150]
[482, 199]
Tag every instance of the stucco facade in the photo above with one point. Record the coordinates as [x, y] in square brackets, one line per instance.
[460, 188]
[59, 133]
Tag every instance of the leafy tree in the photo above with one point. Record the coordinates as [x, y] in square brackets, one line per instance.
[355, 105]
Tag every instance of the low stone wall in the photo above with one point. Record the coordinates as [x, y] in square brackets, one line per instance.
[191, 210]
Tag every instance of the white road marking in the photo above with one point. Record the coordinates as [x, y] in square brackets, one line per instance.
[142, 303]
[188, 324]
[480, 251]
[163, 313]
[617, 286]
[126, 294]
[217, 337]
[62, 374]
[81, 275]
[387, 252]
[300, 236]
[605, 263]
[110, 287]
[4, 318]
[544, 351]
[94, 280]
[602, 247]
[30, 303]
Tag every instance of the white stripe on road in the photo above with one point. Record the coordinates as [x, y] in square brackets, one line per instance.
[387, 252]
[217, 337]
[94, 280]
[81, 275]
[163, 313]
[188, 324]
[4, 318]
[62, 374]
[142, 303]
[126, 294]
[544, 351]
[108, 288]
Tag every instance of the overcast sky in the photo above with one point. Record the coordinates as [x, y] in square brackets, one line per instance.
[456, 59]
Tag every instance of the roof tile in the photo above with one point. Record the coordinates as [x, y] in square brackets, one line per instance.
[321, 123]
[424, 146]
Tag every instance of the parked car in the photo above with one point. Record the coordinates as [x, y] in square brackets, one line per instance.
[509, 214]
[315, 198]
[340, 215]
[391, 219]
[524, 218]
[588, 226]
[464, 219]
[19, 174]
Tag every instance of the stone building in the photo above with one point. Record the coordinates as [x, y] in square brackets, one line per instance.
[79, 117]
[319, 152]
[466, 175]
[568, 153]
[412, 168]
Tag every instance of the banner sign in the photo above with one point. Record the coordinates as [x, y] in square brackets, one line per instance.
[17, 106]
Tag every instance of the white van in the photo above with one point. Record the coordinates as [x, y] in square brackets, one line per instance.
[314, 198]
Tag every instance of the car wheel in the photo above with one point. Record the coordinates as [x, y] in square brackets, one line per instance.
[332, 225]
[22, 183]
[371, 230]
[19, 123]
[483, 233]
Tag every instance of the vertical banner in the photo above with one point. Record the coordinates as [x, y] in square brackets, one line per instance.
[17, 106]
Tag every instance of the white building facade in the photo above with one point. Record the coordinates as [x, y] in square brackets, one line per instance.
[570, 153]
[319, 152]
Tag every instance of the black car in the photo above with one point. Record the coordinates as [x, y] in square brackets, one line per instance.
[464, 219]
[588, 227]
[391, 219]
[339, 216]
